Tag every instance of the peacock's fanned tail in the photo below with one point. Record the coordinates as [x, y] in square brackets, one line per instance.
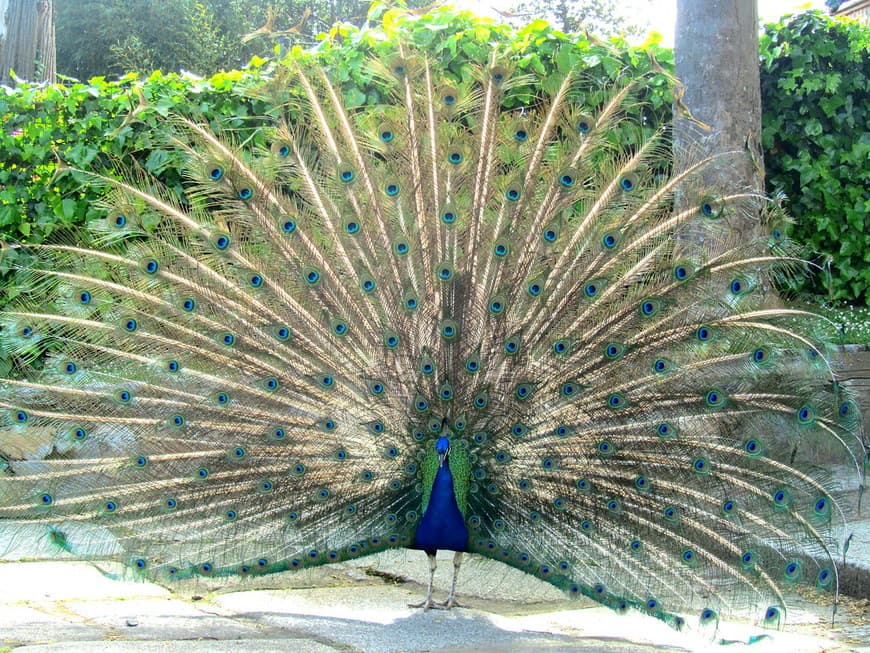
[247, 380]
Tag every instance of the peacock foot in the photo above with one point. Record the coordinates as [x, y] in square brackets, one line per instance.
[450, 603]
[430, 604]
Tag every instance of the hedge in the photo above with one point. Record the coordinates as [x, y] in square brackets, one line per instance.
[816, 137]
[814, 72]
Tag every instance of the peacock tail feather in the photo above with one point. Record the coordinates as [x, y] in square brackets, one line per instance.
[252, 378]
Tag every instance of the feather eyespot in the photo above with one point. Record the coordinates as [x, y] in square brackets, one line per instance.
[806, 415]
[793, 571]
[771, 615]
[781, 498]
[824, 578]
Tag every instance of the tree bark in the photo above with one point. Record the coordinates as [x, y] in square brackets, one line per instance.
[716, 52]
[46, 51]
[28, 45]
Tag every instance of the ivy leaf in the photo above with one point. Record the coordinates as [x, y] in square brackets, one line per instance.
[68, 208]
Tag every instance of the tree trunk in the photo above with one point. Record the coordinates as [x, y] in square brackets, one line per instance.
[46, 52]
[27, 44]
[716, 52]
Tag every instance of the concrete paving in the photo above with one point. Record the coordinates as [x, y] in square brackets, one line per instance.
[53, 607]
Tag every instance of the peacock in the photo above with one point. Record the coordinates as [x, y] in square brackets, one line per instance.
[465, 317]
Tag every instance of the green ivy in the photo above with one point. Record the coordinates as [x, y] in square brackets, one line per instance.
[816, 136]
[814, 92]
[44, 131]
[91, 125]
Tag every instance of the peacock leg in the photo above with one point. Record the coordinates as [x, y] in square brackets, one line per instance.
[428, 602]
[451, 601]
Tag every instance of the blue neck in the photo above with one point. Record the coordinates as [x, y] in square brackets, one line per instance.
[442, 525]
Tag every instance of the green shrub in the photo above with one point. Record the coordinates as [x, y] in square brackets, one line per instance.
[814, 94]
[88, 125]
[85, 126]
[816, 136]
[44, 130]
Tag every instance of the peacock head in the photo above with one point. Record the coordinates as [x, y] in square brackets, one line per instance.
[442, 448]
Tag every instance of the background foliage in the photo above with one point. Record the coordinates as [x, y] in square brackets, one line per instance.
[115, 37]
[814, 95]
[44, 131]
[89, 124]
[600, 17]
[816, 136]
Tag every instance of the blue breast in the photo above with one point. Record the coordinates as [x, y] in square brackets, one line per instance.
[442, 525]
